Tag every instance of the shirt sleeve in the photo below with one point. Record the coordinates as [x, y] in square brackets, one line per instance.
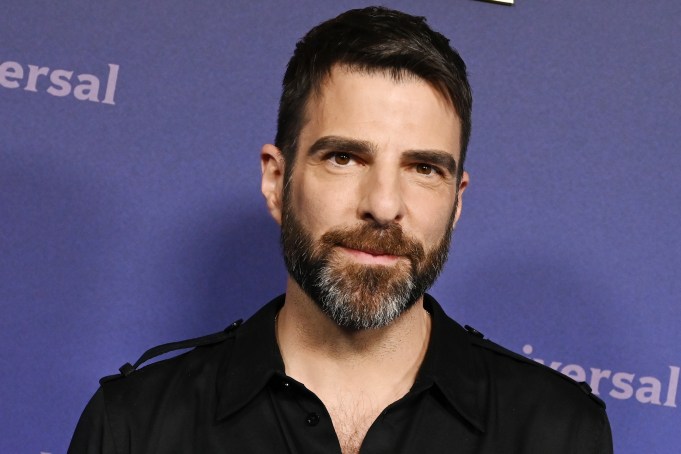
[604, 443]
[93, 433]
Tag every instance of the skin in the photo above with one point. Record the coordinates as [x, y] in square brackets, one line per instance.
[376, 150]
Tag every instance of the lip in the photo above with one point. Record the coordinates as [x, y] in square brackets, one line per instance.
[370, 258]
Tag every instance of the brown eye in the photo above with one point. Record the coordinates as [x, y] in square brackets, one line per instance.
[424, 169]
[341, 159]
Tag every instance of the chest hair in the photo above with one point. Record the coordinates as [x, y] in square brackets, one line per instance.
[352, 419]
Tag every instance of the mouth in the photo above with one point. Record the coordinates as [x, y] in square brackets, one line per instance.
[370, 257]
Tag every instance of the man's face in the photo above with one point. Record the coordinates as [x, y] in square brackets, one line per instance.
[373, 196]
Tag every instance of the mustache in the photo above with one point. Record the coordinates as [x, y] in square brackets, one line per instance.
[377, 240]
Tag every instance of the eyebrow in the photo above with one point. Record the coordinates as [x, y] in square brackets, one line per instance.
[340, 144]
[435, 157]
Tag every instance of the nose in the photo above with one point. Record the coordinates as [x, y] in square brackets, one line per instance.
[381, 198]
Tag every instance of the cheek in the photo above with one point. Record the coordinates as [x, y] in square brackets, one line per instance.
[432, 216]
[320, 205]
[435, 229]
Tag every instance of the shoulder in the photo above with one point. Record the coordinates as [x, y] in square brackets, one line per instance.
[511, 375]
[172, 405]
[127, 405]
[537, 403]
[206, 355]
[515, 400]
[531, 402]
[525, 375]
[132, 400]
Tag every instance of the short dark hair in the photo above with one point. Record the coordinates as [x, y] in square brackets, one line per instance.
[371, 39]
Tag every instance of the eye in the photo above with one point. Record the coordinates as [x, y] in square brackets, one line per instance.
[342, 159]
[425, 169]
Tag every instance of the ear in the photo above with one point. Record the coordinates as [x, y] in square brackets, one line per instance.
[463, 184]
[272, 186]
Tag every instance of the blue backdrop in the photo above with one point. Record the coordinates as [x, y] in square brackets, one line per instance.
[130, 211]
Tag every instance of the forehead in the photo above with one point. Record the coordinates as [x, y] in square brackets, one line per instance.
[400, 110]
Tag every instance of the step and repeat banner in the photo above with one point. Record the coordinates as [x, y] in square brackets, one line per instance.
[131, 215]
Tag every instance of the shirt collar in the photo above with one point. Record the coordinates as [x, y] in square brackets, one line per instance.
[254, 360]
[450, 363]
[453, 365]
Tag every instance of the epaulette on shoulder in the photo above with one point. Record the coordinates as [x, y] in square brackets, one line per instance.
[215, 338]
[479, 340]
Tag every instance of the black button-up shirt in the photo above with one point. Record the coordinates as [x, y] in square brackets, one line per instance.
[470, 396]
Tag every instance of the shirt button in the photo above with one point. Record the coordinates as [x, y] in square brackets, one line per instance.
[312, 419]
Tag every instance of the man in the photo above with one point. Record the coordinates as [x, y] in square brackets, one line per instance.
[366, 179]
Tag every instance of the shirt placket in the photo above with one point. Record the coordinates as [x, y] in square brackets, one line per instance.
[305, 423]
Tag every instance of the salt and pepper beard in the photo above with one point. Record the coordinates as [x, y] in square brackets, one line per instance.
[360, 296]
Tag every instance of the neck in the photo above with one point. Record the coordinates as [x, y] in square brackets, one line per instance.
[324, 356]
